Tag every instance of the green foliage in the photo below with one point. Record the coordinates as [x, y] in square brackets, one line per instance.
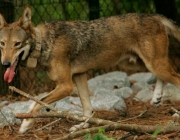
[47, 10]
[155, 133]
[114, 7]
[87, 137]
[98, 136]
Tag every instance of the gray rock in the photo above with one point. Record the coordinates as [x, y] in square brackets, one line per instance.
[120, 106]
[70, 104]
[124, 92]
[144, 95]
[104, 99]
[109, 81]
[9, 111]
[2, 103]
[7, 117]
[13, 108]
[136, 87]
[171, 92]
[143, 77]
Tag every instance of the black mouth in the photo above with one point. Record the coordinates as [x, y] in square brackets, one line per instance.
[19, 60]
[20, 57]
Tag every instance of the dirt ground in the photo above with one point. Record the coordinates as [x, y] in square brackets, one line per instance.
[161, 115]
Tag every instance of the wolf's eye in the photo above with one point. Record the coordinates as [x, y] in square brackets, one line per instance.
[2, 43]
[17, 44]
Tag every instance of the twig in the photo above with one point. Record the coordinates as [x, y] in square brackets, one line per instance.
[7, 121]
[125, 136]
[36, 137]
[135, 137]
[134, 116]
[33, 98]
[175, 110]
[80, 126]
[48, 125]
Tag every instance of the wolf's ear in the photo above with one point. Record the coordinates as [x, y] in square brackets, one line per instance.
[25, 20]
[2, 22]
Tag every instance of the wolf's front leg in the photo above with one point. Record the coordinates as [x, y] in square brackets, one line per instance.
[58, 93]
[82, 86]
[27, 123]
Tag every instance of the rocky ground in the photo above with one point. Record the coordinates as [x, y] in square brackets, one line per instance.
[153, 116]
[125, 109]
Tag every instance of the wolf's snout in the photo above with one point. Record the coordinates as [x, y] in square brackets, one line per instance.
[6, 64]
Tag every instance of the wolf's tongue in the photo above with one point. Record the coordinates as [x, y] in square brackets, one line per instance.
[9, 74]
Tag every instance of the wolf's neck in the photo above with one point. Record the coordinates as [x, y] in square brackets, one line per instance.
[35, 54]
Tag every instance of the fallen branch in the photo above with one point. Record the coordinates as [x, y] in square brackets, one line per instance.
[108, 125]
[63, 114]
[143, 129]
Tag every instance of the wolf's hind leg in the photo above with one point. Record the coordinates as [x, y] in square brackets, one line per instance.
[162, 69]
[157, 95]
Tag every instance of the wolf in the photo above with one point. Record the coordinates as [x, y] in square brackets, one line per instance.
[68, 49]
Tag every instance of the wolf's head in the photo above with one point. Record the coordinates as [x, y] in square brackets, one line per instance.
[15, 42]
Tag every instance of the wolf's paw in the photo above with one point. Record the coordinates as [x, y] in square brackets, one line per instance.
[156, 101]
[26, 125]
[79, 126]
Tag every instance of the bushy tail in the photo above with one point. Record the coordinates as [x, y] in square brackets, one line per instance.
[170, 26]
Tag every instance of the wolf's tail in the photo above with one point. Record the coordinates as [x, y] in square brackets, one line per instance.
[170, 26]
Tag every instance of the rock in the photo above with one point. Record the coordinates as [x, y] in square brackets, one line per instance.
[144, 95]
[7, 117]
[120, 106]
[171, 92]
[70, 104]
[146, 77]
[17, 107]
[104, 99]
[9, 111]
[2, 103]
[124, 92]
[109, 81]
[136, 87]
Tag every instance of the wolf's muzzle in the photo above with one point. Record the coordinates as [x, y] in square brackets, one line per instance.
[6, 64]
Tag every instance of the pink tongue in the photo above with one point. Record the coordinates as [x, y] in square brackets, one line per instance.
[9, 74]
